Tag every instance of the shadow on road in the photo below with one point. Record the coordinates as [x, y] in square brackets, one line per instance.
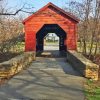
[49, 77]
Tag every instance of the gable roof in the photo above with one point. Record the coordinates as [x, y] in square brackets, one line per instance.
[54, 6]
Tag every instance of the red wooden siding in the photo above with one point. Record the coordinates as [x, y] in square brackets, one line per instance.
[50, 14]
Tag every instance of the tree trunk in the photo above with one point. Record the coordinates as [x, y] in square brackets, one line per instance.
[91, 46]
[84, 47]
[95, 51]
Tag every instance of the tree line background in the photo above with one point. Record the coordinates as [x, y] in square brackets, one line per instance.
[11, 29]
[88, 11]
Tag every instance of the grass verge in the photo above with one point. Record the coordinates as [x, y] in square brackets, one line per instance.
[92, 90]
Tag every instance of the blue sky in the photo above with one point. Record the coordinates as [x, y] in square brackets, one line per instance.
[37, 4]
[13, 5]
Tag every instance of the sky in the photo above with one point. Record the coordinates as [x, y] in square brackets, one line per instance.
[37, 4]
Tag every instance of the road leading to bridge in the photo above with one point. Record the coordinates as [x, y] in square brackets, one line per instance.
[45, 79]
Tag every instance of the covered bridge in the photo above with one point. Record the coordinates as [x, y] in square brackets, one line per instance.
[50, 19]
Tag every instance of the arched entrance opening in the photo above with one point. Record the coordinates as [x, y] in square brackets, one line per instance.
[50, 28]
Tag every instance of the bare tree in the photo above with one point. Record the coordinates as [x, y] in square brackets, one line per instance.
[11, 28]
[89, 27]
[21, 9]
[95, 27]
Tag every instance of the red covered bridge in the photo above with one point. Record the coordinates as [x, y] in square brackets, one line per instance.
[50, 19]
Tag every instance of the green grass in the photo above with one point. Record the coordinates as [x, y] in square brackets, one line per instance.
[18, 48]
[92, 91]
[21, 46]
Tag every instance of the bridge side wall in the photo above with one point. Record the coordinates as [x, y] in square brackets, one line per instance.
[84, 66]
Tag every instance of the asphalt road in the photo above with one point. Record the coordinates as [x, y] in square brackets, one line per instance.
[45, 79]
